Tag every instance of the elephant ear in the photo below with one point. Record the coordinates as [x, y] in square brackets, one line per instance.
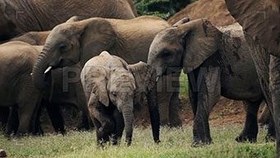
[74, 19]
[201, 39]
[98, 35]
[145, 76]
[182, 21]
[260, 20]
[100, 86]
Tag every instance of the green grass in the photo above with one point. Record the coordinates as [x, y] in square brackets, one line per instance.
[175, 143]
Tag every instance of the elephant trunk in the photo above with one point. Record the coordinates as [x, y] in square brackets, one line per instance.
[154, 112]
[39, 71]
[128, 122]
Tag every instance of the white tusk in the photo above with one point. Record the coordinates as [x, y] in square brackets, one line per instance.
[157, 78]
[48, 69]
[31, 74]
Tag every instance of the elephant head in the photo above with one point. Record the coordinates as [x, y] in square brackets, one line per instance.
[125, 85]
[260, 20]
[185, 45]
[71, 43]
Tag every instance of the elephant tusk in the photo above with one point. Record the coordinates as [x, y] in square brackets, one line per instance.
[157, 78]
[48, 69]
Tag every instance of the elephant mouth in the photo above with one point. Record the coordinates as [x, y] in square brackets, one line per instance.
[168, 71]
[60, 64]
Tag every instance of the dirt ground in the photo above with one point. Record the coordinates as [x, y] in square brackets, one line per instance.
[226, 111]
[214, 10]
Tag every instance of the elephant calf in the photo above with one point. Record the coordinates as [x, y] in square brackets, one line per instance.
[112, 87]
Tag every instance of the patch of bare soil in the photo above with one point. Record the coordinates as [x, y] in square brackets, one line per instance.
[214, 10]
[225, 112]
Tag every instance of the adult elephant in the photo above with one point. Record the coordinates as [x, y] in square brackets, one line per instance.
[113, 89]
[17, 16]
[261, 23]
[217, 62]
[17, 88]
[79, 41]
[63, 91]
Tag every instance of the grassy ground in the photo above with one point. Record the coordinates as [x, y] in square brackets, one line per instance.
[175, 143]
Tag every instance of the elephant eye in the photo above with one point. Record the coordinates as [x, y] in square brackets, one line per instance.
[64, 47]
[114, 93]
[166, 54]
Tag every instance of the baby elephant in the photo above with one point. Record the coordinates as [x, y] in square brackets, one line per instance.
[112, 88]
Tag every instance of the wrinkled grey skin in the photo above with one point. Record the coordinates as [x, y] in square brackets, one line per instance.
[77, 42]
[17, 16]
[17, 89]
[261, 23]
[65, 89]
[217, 62]
[112, 88]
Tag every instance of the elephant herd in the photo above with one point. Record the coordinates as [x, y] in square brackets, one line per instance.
[103, 59]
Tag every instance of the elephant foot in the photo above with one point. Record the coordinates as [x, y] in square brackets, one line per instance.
[157, 141]
[176, 124]
[115, 140]
[21, 134]
[246, 138]
[103, 142]
[201, 143]
[3, 153]
[84, 126]
[270, 138]
[62, 131]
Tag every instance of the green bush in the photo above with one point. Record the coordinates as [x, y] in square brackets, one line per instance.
[162, 8]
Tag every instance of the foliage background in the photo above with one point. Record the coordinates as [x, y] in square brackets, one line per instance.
[162, 8]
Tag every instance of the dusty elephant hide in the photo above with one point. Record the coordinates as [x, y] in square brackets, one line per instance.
[214, 10]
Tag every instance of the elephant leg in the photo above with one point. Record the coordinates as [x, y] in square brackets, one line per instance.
[119, 127]
[103, 123]
[13, 121]
[168, 100]
[4, 115]
[106, 129]
[97, 125]
[250, 130]
[209, 89]
[174, 104]
[82, 105]
[274, 85]
[174, 108]
[163, 101]
[25, 112]
[36, 128]
[271, 133]
[164, 109]
[84, 124]
[55, 116]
